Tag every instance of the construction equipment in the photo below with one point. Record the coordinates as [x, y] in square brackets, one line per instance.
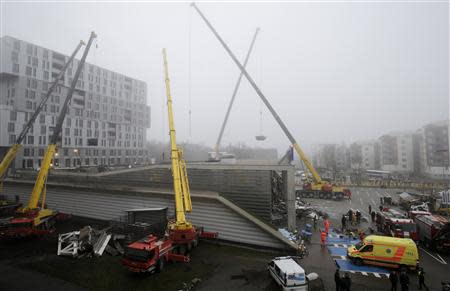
[35, 218]
[12, 152]
[394, 223]
[181, 232]
[216, 156]
[151, 253]
[316, 188]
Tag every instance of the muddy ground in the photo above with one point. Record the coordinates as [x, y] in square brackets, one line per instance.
[32, 264]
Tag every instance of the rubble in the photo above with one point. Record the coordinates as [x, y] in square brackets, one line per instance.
[90, 242]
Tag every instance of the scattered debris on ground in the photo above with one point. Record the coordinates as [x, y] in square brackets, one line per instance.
[90, 242]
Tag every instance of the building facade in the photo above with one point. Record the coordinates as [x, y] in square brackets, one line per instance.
[434, 150]
[396, 152]
[107, 119]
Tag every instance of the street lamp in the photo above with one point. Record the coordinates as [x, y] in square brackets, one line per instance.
[77, 153]
[56, 161]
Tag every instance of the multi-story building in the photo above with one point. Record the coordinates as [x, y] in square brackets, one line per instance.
[365, 155]
[370, 155]
[107, 120]
[325, 156]
[434, 149]
[396, 152]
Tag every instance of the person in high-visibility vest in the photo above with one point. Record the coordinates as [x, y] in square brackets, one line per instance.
[323, 237]
[326, 224]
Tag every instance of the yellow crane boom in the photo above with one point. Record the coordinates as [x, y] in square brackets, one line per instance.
[39, 185]
[183, 202]
[291, 138]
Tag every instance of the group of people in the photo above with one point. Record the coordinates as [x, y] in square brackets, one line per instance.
[342, 283]
[404, 280]
[352, 217]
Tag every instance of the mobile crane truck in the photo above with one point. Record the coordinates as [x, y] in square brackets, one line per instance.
[5, 206]
[151, 253]
[317, 188]
[35, 218]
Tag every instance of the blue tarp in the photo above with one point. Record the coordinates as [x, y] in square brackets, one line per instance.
[345, 265]
[334, 251]
[345, 240]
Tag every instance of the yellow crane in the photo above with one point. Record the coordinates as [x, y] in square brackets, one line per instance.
[14, 149]
[182, 232]
[35, 218]
[318, 187]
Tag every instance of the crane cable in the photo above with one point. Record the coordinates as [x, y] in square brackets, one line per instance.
[190, 70]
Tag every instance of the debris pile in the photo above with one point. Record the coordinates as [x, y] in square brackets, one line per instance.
[302, 208]
[89, 242]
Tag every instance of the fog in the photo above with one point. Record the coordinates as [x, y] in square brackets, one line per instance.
[334, 72]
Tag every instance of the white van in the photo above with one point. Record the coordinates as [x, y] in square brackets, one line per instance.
[288, 274]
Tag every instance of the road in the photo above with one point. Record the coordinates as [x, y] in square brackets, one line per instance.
[436, 266]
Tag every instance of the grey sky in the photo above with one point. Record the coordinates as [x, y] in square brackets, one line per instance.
[335, 72]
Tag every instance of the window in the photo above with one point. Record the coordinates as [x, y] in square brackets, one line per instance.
[43, 129]
[41, 152]
[17, 45]
[29, 49]
[11, 127]
[30, 139]
[13, 115]
[12, 138]
[28, 71]
[366, 249]
[42, 118]
[15, 56]
[15, 68]
[46, 75]
[29, 105]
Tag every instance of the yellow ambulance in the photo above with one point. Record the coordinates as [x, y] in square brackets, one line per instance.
[386, 252]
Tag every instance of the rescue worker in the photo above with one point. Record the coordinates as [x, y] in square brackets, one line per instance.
[394, 279]
[370, 208]
[404, 281]
[358, 217]
[315, 217]
[346, 282]
[343, 223]
[354, 218]
[326, 224]
[323, 237]
[421, 275]
[338, 280]
[372, 214]
[361, 235]
[350, 215]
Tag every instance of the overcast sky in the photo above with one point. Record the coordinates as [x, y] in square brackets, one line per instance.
[334, 72]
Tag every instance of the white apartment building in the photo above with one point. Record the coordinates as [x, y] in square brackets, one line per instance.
[396, 152]
[107, 120]
[370, 155]
[434, 143]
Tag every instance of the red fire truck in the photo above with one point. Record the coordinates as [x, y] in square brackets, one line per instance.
[434, 231]
[150, 254]
[393, 223]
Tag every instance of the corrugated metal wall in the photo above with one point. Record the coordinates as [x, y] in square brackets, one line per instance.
[250, 189]
[207, 212]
